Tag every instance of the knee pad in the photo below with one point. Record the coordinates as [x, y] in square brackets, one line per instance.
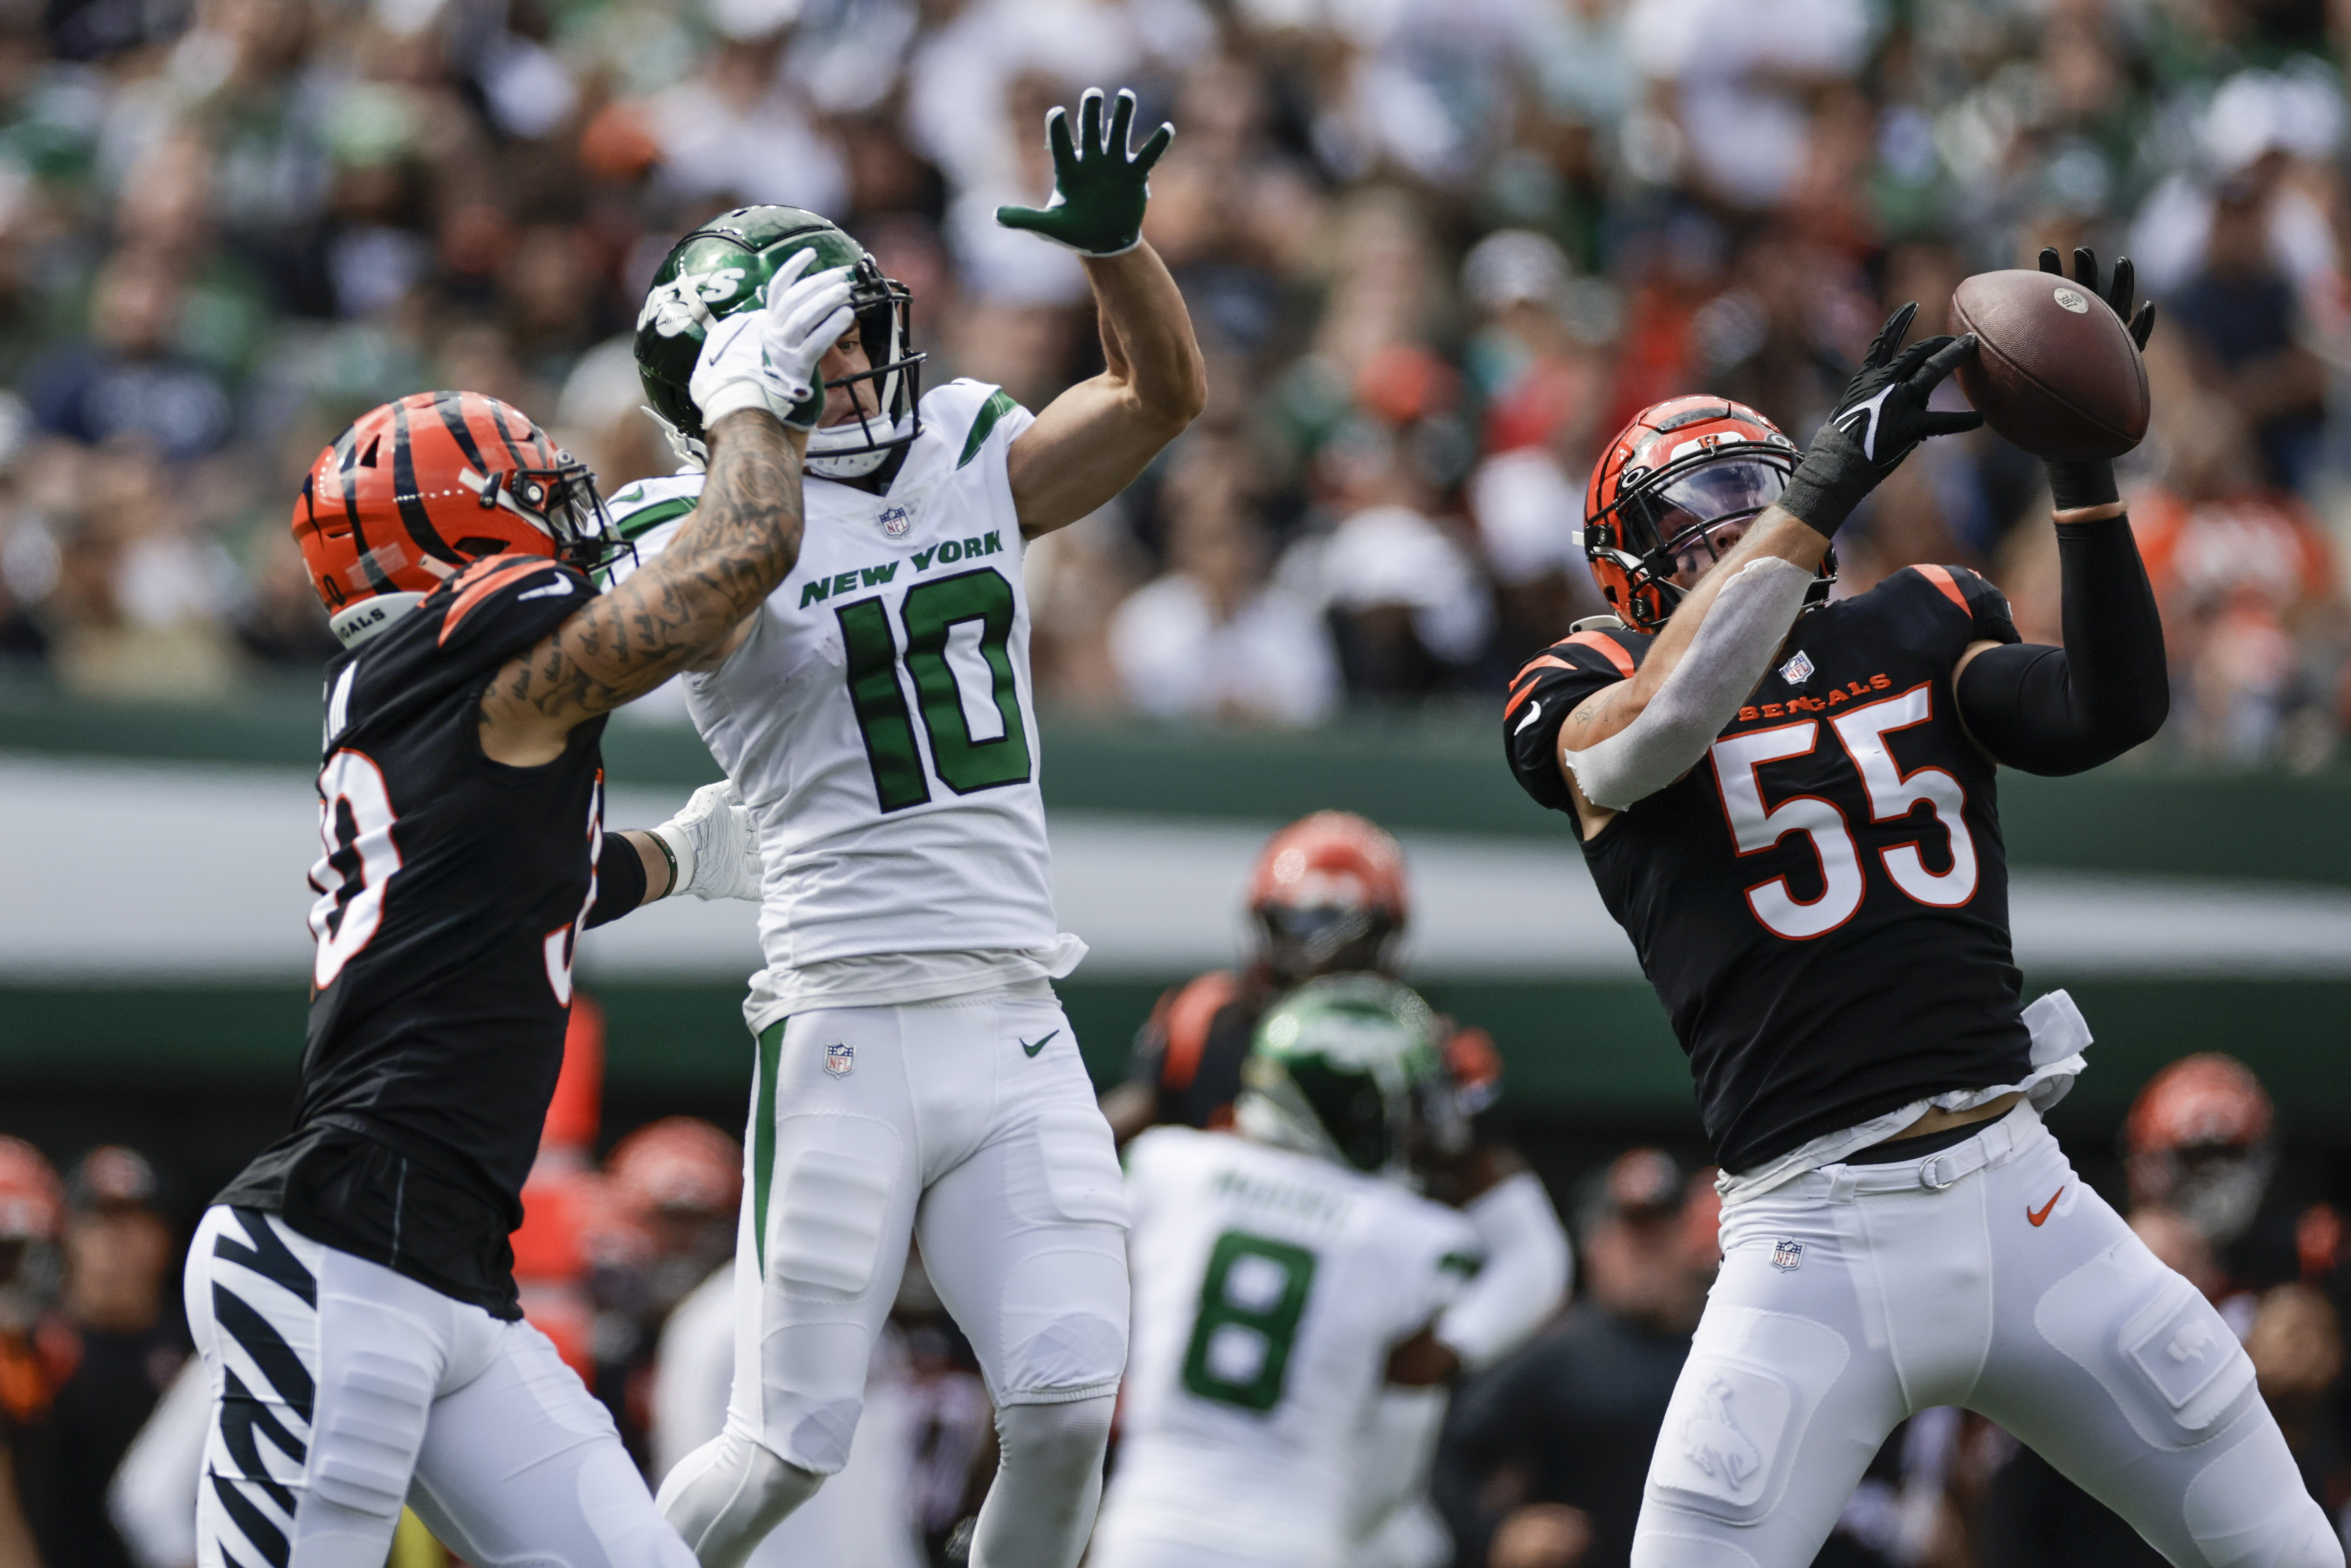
[2248, 1507]
[1739, 1411]
[725, 1496]
[1063, 1321]
[2153, 1343]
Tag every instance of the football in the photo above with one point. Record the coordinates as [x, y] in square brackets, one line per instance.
[2055, 370]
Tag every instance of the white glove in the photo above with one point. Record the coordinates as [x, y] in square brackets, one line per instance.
[768, 358]
[715, 843]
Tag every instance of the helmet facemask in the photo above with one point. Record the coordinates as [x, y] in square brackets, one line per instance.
[886, 393]
[1672, 524]
[562, 502]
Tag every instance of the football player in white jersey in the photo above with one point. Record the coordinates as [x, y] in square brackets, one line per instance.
[1283, 1278]
[915, 1072]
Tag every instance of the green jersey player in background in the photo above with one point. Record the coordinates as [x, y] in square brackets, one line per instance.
[1283, 1278]
[915, 1074]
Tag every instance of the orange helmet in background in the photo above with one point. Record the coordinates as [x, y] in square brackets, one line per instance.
[677, 1164]
[1328, 895]
[1681, 470]
[415, 490]
[2197, 1141]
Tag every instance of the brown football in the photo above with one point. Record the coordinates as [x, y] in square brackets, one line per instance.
[2054, 369]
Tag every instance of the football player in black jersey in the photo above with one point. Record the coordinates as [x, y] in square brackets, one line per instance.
[1789, 804]
[353, 1292]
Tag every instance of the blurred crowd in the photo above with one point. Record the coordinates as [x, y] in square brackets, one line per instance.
[626, 1264]
[1437, 250]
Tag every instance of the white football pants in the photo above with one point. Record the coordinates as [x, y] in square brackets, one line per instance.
[969, 1124]
[1988, 1277]
[341, 1390]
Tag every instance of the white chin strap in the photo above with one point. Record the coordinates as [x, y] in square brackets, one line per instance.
[692, 455]
[826, 459]
[355, 623]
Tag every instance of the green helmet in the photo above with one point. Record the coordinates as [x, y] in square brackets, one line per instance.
[724, 266]
[1339, 1068]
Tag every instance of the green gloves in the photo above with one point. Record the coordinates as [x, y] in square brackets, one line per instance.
[1100, 187]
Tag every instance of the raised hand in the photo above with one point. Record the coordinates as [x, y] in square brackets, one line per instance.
[1879, 420]
[2076, 485]
[1100, 186]
[2117, 297]
[767, 357]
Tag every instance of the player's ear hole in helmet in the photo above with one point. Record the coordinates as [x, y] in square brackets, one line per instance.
[1340, 1069]
[1328, 895]
[415, 490]
[1672, 493]
[723, 267]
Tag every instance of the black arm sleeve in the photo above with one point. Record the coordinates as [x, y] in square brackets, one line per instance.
[2061, 710]
[620, 880]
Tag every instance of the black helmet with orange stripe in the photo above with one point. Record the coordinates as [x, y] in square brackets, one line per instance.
[1672, 493]
[416, 490]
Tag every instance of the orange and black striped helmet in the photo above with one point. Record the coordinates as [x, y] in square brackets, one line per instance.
[1328, 895]
[1682, 470]
[415, 490]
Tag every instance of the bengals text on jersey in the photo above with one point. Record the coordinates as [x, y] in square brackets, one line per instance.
[1822, 903]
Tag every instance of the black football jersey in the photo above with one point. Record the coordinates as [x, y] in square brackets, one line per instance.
[1822, 903]
[451, 889]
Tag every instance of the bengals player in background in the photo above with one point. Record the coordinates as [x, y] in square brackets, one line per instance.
[1791, 806]
[1328, 896]
[353, 1292]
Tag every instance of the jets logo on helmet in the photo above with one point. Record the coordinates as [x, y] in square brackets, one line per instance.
[1342, 1069]
[414, 491]
[1664, 491]
[723, 267]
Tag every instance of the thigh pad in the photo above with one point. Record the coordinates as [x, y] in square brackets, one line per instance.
[1739, 1411]
[2152, 1342]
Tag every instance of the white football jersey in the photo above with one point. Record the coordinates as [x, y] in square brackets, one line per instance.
[1268, 1288]
[879, 719]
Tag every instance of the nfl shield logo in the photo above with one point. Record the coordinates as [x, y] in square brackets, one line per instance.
[840, 1061]
[895, 522]
[1787, 1256]
[1797, 670]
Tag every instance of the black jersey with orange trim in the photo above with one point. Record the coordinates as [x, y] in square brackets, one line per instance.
[1822, 903]
[450, 891]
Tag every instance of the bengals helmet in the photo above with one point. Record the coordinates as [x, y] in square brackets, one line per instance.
[1328, 895]
[679, 1164]
[1681, 471]
[416, 490]
[2197, 1141]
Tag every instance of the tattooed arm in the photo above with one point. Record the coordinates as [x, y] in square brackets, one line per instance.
[688, 601]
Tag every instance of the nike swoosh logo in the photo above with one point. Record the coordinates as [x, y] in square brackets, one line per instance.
[1534, 712]
[2042, 1213]
[1867, 414]
[1033, 1050]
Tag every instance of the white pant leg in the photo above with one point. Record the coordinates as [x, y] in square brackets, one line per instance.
[1025, 1236]
[833, 1159]
[324, 1370]
[2118, 1372]
[1788, 1392]
[338, 1386]
[522, 1467]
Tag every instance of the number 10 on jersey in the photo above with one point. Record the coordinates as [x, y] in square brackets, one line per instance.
[931, 613]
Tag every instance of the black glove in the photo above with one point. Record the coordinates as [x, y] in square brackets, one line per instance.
[1882, 416]
[2092, 483]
